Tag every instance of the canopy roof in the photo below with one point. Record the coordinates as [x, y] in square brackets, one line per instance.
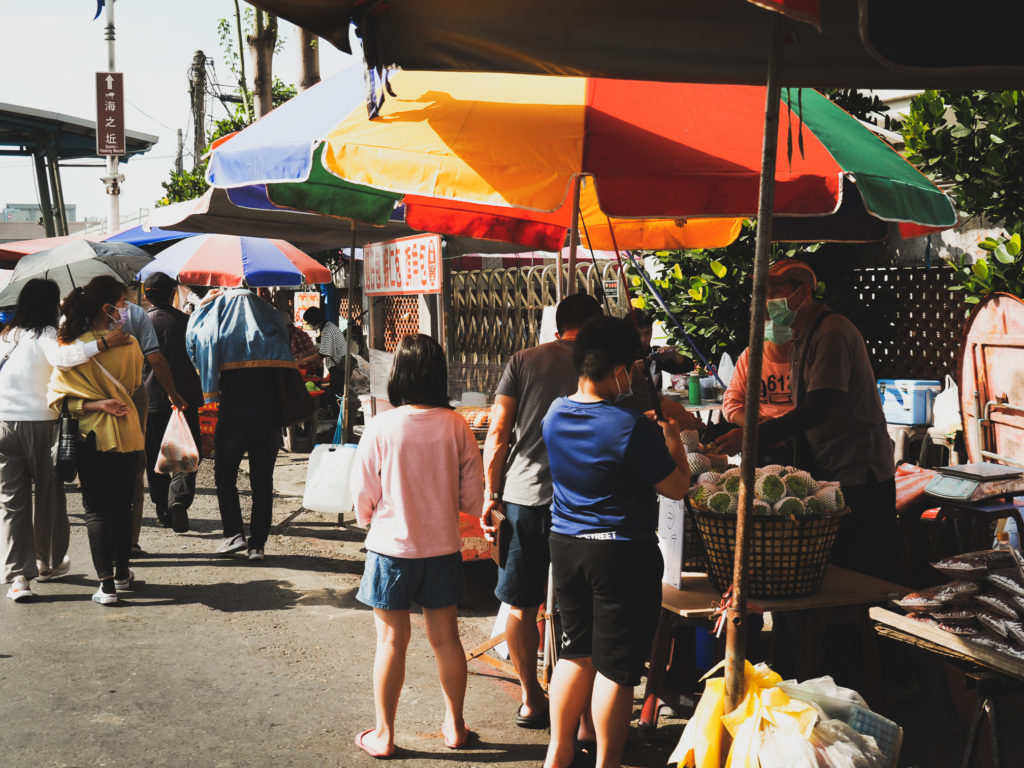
[26, 131]
[861, 44]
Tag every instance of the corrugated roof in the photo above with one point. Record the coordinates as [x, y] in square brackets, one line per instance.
[23, 130]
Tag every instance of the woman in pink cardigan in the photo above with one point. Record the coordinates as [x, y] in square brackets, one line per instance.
[417, 467]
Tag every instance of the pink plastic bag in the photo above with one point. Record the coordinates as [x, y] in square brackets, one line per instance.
[178, 452]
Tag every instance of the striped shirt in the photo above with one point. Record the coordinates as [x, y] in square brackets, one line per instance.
[332, 344]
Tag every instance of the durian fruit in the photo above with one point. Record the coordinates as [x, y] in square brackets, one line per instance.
[699, 496]
[723, 503]
[761, 507]
[709, 478]
[814, 506]
[832, 498]
[731, 472]
[791, 470]
[699, 464]
[789, 505]
[731, 483]
[770, 488]
[773, 469]
[691, 440]
[797, 484]
[719, 461]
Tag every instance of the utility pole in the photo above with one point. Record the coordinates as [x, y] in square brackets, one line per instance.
[113, 179]
[178, 163]
[197, 90]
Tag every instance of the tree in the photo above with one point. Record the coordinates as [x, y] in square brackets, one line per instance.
[262, 44]
[190, 184]
[974, 142]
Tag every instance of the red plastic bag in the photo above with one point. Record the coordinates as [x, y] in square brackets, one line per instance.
[178, 452]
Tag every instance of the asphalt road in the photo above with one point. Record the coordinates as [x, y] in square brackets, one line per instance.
[215, 661]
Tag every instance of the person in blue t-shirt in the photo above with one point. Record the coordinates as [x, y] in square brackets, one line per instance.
[607, 465]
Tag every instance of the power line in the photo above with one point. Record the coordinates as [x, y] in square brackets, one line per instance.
[139, 109]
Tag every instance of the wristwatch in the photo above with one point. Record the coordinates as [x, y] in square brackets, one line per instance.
[494, 496]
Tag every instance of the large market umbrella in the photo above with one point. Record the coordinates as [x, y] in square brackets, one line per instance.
[856, 43]
[282, 158]
[74, 264]
[231, 261]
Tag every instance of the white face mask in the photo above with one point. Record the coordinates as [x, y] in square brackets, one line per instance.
[122, 316]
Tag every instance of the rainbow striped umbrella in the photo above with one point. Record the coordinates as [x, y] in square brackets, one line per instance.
[231, 261]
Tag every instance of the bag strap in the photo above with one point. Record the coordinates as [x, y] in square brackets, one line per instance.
[110, 376]
[10, 352]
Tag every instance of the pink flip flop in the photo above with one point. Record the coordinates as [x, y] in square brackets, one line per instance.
[368, 749]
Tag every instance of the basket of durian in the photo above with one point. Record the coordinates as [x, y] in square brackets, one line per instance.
[791, 531]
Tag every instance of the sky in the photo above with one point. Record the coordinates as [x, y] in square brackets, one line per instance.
[51, 50]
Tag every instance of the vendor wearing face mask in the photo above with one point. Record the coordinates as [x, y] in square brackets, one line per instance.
[837, 418]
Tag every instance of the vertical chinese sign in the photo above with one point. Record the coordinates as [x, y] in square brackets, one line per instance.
[409, 265]
[110, 114]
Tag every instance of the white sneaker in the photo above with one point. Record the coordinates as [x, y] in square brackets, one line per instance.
[20, 590]
[104, 598]
[49, 574]
[234, 544]
[255, 554]
[123, 585]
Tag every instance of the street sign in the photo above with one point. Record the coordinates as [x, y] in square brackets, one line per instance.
[408, 265]
[110, 113]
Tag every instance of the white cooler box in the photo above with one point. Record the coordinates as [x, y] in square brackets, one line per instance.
[908, 401]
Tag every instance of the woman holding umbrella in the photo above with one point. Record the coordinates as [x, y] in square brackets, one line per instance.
[98, 393]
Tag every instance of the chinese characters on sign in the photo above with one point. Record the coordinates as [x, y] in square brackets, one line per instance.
[110, 113]
[409, 265]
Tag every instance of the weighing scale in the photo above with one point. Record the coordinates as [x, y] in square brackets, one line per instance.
[975, 482]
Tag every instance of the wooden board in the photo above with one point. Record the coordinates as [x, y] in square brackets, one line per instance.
[842, 587]
[947, 642]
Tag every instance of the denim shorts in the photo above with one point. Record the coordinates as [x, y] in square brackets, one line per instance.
[395, 583]
[523, 582]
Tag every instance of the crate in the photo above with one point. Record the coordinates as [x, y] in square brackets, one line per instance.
[788, 555]
[908, 401]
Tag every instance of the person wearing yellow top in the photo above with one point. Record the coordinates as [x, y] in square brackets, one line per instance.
[110, 436]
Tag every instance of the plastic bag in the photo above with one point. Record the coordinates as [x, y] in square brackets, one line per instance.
[328, 479]
[726, 368]
[178, 452]
[946, 407]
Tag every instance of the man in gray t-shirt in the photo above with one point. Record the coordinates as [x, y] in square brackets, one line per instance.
[518, 483]
[837, 420]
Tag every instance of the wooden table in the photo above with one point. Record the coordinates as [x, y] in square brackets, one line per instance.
[842, 597]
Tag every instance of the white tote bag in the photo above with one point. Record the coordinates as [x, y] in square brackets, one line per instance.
[328, 479]
[946, 407]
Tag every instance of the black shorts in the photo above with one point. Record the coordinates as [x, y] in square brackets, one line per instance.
[609, 597]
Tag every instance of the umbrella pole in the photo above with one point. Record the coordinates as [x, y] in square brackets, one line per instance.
[346, 398]
[71, 277]
[574, 236]
[736, 615]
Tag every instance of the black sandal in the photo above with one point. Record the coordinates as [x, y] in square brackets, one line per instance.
[535, 721]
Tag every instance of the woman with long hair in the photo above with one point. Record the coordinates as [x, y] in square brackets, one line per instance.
[33, 537]
[110, 435]
[418, 466]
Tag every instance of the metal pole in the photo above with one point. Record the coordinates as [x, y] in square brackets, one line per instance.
[44, 193]
[574, 236]
[736, 615]
[113, 183]
[346, 400]
[60, 212]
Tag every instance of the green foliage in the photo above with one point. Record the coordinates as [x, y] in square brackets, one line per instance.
[190, 184]
[862, 106]
[709, 293]
[1001, 271]
[974, 140]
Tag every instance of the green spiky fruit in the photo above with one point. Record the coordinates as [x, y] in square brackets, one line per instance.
[723, 503]
[709, 478]
[691, 440]
[814, 506]
[773, 469]
[769, 488]
[796, 484]
[761, 507]
[699, 495]
[789, 505]
[699, 464]
[832, 498]
[731, 472]
[731, 483]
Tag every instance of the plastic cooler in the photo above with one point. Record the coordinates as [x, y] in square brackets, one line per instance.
[908, 401]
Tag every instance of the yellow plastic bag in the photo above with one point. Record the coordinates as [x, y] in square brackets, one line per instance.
[711, 731]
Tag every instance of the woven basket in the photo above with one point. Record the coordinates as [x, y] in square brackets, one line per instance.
[788, 555]
[694, 557]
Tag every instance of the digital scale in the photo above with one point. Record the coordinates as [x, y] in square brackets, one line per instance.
[975, 482]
